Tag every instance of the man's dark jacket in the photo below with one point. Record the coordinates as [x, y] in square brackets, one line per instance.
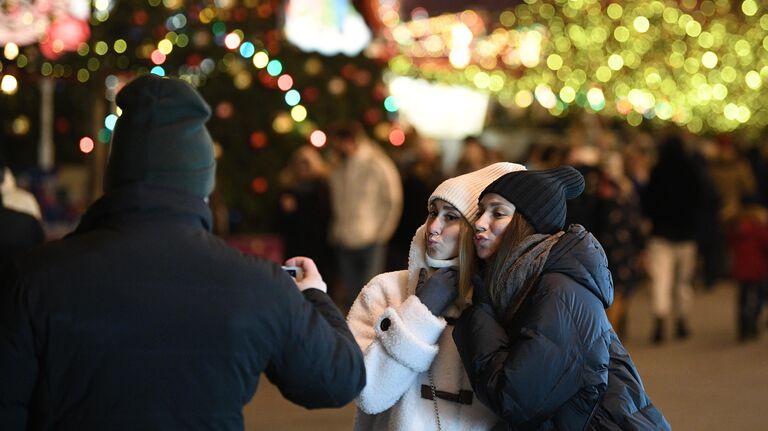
[143, 320]
[18, 232]
[548, 367]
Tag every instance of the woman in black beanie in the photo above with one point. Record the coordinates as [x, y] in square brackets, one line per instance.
[536, 343]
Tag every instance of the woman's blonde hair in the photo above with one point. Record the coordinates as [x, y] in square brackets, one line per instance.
[467, 261]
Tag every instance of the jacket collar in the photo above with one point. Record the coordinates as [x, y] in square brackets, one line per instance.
[139, 202]
[580, 256]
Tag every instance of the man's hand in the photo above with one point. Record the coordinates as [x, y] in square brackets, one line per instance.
[312, 278]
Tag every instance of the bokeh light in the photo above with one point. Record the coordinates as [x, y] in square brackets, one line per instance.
[86, 145]
[317, 138]
[396, 137]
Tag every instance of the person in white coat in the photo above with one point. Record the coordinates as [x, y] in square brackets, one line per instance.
[402, 321]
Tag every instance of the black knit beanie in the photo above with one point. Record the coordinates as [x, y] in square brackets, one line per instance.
[540, 195]
[160, 139]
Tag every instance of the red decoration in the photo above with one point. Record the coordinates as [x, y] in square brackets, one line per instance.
[258, 140]
[310, 94]
[194, 60]
[61, 125]
[259, 185]
[224, 110]
[240, 14]
[64, 35]
[348, 71]
[372, 116]
[140, 18]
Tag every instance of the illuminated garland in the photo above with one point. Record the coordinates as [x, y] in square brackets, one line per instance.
[702, 65]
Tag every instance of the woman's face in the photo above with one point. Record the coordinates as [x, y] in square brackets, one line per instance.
[443, 228]
[495, 214]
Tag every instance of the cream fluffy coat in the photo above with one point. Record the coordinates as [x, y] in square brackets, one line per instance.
[397, 359]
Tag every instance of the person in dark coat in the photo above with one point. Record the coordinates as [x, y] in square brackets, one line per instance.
[536, 343]
[20, 232]
[141, 319]
[304, 209]
[672, 201]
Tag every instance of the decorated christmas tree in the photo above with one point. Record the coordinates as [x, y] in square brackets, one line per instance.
[267, 96]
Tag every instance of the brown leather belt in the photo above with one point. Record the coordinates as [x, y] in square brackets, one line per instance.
[463, 397]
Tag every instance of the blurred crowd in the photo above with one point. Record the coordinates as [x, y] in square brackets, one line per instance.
[675, 211]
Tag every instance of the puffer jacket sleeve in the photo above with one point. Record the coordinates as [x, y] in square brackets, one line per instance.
[318, 364]
[18, 357]
[398, 338]
[523, 377]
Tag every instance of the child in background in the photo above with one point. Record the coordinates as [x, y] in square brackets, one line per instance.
[748, 239]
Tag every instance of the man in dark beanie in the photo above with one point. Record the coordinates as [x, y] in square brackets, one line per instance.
[141, 319]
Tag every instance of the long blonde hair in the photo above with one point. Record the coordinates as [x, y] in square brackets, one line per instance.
[468, 261]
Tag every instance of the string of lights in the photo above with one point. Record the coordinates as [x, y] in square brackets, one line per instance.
[699, 64]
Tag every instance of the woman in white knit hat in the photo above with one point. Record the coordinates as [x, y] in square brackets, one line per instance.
[401, 320]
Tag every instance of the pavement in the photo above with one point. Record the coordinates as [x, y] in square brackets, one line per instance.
[709, 382]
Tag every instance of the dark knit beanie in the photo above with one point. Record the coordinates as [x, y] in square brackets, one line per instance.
[160, 139]
[540, 195]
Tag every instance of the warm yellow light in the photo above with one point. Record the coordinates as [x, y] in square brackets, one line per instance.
[749, 7]
[481, 80]
[11, 51]
[567, 94]
[615, 61]
[753, 80]
[298, 113]
[614, 11]
[554, 62]
[9, 85]
[545, 96]
[120, 46]
[165, 46]
[523, 98]
[731, 111]
[603, 74]
[282, 123]
[693, 28]
[621, 34]
[744, 114]
[595, 97]
[641, 24]
[719, 91]
[709, 60]
[497, 82]
[261, 59]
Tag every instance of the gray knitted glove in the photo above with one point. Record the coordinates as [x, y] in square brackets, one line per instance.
[439, 291]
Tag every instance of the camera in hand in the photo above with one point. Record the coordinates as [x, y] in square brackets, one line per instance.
[294, 271]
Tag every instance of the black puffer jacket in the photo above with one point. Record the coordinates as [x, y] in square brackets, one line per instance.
[143, 320]
[548, 367]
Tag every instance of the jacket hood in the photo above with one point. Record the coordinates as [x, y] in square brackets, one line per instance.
[417, 257]
[580, 256]
[8, 182]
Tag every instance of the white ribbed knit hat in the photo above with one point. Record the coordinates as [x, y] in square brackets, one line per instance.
[463, 191]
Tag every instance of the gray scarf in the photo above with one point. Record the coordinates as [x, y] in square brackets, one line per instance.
[518, 274]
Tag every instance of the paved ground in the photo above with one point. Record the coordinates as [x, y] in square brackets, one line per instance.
[707, 383]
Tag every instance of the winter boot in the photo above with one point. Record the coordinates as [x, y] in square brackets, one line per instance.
[681, 331]
[657, 337]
